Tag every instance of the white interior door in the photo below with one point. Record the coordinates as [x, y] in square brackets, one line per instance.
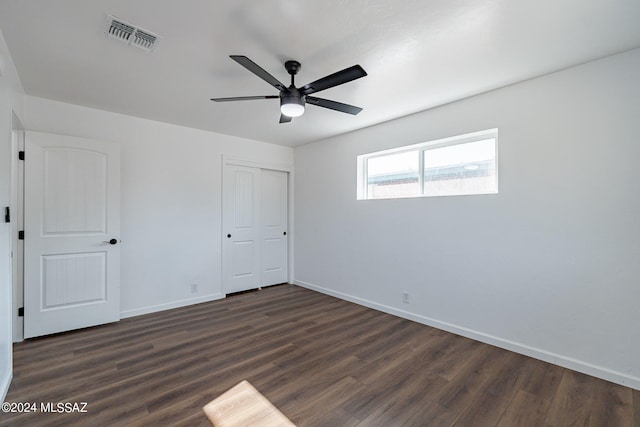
[241, 222]
[273, 216]
[71, 270]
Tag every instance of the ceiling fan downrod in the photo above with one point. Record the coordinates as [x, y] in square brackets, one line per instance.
[292, 101]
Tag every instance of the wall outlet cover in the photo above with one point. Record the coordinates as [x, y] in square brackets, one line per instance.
[405, 297]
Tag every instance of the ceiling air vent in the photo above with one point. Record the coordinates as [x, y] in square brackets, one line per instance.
[120, 30]
[130, 34]
[144, 40]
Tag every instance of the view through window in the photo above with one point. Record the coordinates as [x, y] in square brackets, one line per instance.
[460, 165]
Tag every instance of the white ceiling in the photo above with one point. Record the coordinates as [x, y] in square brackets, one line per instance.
[418, 54]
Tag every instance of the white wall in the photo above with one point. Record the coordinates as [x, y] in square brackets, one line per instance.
[10, 100]
[171, 199]
[548, 267]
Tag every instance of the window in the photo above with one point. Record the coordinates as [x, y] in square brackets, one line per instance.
[460, 165]
[393, 175]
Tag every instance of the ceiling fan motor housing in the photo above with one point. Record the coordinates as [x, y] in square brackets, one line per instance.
[292, 102]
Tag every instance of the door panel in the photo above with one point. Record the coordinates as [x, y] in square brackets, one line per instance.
[71, 279]
[274, 227]
[75, 191]
[241, 262]
[72, 272]
[244, 190]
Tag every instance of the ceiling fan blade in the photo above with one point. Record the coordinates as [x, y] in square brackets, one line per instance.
[258, 71]
[244, 98]
[335, 79]
[333, 105]
[284, 119]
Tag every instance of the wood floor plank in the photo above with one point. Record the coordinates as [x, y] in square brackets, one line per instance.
[412, 404]
[459, 392]
[544, 379]
[430, 414]
[572, 403]
[636, 408]
[612, 404]
[525, 409]
[399, 383]
[335, 417]
[322, 361]
[483, 410]
[493, 397]
[328, 394]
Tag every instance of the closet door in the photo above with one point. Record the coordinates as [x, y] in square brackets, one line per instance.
[254, 227]
[273, 218]
[241, 228]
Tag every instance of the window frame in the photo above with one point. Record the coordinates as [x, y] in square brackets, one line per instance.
[421, 148]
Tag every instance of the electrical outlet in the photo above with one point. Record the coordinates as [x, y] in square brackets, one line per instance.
[194, 288]
[405, 297]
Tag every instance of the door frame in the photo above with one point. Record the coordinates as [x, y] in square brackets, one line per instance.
[282, 167]
[17, 223]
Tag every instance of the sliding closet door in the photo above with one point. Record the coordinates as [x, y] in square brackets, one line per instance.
[241, 228]
[254, 226]
[273, 217]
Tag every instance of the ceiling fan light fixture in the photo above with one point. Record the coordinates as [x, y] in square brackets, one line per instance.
[292, 106]
[292, 98]
[292, 110]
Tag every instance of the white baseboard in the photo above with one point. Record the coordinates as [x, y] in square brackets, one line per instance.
[546, 356]
[4, 387]
[169, 306]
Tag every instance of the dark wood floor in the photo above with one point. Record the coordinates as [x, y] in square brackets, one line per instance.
[320, 360]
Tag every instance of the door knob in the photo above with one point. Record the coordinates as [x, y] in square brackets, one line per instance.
[228, 236]
[111, 242]
[284, 234]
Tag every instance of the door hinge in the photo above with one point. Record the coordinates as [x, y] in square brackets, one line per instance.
[20, 155]
[7, 214]
[21, 235]
[21, 312]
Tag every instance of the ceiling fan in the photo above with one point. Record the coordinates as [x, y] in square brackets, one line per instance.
[293, 99]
